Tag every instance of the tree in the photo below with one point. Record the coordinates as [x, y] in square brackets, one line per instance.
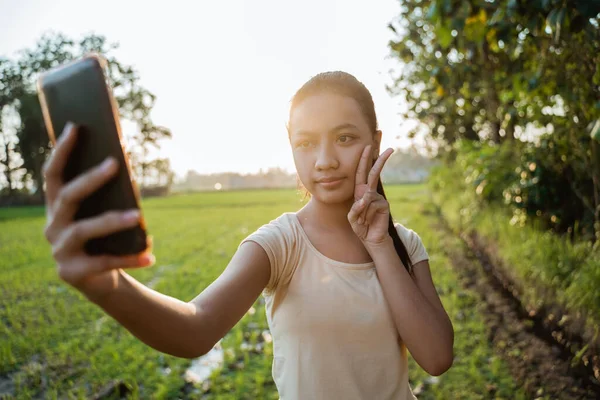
[17, 88]
[494, 71]
[10, 90]
[33, 144]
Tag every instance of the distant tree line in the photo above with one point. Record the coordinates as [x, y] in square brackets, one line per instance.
[404, 166]
[24, 142]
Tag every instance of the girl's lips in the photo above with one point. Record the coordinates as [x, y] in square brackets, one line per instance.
[331, 183]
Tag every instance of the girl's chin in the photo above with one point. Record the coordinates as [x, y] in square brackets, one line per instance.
[333, 196]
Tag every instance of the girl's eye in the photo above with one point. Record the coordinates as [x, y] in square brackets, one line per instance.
[346, 137]
[304, 145]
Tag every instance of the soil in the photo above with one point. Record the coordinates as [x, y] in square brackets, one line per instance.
[537, 350]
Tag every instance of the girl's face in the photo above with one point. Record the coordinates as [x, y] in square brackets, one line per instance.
[328, 133]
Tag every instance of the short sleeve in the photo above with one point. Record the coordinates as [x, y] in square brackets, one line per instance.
[273, 238]
[414, 245]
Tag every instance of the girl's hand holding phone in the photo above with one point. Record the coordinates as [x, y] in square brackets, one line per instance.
[370, 214]
[94, 276]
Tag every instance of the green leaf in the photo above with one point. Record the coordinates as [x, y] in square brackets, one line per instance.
[475, 27]
[444, 35]
[516, 83]
[577, 357]
[497, 17]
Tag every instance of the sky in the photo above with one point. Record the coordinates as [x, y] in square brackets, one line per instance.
[224, 71]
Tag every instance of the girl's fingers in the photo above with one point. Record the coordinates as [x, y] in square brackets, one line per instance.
[376, 207]
[363, 165]
[363, 214]
[377, 168]
[105, 262]
[356, 211]
[369, 197]
[54, 166]
[80, 232]
[80, 188]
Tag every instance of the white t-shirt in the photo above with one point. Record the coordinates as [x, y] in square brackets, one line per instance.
[333, 333]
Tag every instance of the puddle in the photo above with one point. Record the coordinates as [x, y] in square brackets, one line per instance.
[202, 367]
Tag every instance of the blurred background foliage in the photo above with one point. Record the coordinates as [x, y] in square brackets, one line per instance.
[507, 92]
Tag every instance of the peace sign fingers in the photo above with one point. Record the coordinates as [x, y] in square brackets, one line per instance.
[363, 167]
[373, 177]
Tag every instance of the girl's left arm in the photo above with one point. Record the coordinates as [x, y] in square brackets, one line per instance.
[418, 313]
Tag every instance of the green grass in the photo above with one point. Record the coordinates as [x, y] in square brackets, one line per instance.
[51, 339]
[548, 267]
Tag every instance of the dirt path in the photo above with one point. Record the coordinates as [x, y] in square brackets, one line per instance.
[535, 353]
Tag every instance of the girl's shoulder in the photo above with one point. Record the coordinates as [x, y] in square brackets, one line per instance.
[284, 223]
[411, 239]
[404, 231]
[277, 232]
[279, 240]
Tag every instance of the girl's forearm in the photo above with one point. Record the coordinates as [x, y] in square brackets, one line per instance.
[160, 321]
[426, 331]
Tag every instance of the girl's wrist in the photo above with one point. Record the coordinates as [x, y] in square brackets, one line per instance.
[385, 243]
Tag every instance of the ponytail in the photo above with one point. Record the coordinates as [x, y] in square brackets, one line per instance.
[398, 244]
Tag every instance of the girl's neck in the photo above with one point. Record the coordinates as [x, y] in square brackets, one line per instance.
[331, 216]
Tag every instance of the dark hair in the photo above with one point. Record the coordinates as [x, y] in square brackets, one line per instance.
[345, 84]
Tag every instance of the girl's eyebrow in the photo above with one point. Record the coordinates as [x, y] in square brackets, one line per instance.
[333, 130]
[343, 126]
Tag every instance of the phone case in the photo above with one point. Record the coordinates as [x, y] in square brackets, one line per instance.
[79, 92]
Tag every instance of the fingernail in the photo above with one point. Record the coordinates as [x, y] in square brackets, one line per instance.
[148, 259]
[107, 164]
[68, 130]
[131, 215]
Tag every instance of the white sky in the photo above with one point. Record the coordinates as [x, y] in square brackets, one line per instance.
[224, 71]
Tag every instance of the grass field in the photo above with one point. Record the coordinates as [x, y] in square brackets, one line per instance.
[54, 344]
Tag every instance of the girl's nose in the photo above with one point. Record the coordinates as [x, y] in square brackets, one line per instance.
[326, 158]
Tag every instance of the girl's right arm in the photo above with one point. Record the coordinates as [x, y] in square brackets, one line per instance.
[190, 329]
[162, 322]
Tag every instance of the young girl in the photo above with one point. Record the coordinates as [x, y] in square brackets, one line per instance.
[347, 290]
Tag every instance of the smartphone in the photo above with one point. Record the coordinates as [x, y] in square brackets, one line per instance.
[80, 93]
